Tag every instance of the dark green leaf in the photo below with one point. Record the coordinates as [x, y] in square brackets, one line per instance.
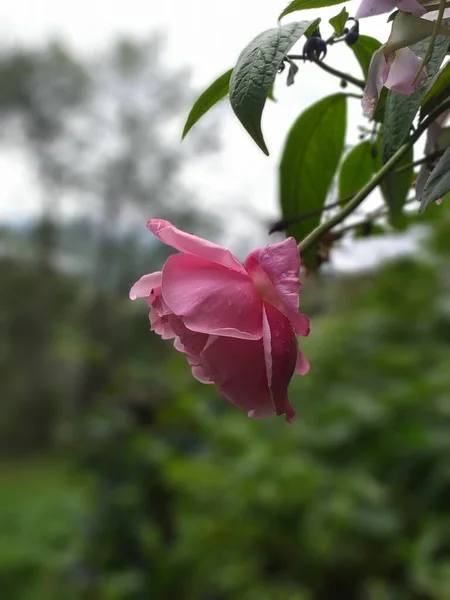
[215, 92]
[255, 71]
[438, 91]
[307, 4]
[363, 50]
[401, 110]
[308, 165]
[356, 170]
[380, 108]
[438, 183]
[395, 187]
[338, 22]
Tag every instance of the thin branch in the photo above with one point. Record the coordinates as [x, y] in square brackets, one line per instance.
[323, 228]
[378, 213]
[283, 224]
[421, 161]
[345, 76]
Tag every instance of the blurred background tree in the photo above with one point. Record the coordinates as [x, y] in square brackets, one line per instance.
[123, 478]
[98, 135]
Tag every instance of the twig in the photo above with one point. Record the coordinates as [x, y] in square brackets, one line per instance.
[345, 76]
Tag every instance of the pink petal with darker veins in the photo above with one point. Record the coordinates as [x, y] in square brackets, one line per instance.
[280, 352]
[211, 298]
[191, 244]
[238, 369]
[143, 287]
[189, 342]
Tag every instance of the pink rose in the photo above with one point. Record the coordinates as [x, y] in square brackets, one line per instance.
[235, 323]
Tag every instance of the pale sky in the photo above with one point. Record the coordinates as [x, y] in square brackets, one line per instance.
[205, 36]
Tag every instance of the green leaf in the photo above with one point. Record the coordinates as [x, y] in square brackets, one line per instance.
[363, 50]
[438, 183]
[215, 92]
[307, 4]
[438, 91]
[310, 158]
[395, 187]
[401, 110]
[271, 94]
[380, 108]
[338, 22]
[356, 170]
[255, 71]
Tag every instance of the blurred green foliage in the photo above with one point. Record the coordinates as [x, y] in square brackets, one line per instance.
[179, 495]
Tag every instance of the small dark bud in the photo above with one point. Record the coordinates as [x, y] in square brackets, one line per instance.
[281, 68]
[353, 34]
[343, 84]
[315, 48]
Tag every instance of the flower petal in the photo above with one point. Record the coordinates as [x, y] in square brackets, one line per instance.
[411, 6]
[191, 244]
[370, 8]
[189, 342]
[301, 364]
[406, 30]
[238, 369]
[299, 322]
[199, 374]
[160, 315]
[375, 80]
[194, 360]
[211, 298]
[280, 352]
[275, 269]
[144, 286]
[402, 70]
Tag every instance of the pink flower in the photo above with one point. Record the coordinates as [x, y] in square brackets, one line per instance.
[370, 8]
[396, 72]
[394, 65]
[236, 324]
